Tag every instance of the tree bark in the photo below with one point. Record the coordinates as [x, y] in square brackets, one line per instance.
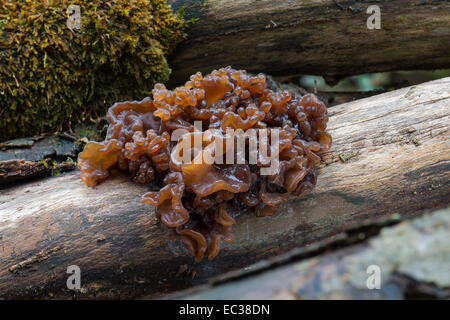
[412, 260]
[13, 171]
[390, 155]
[320, 37]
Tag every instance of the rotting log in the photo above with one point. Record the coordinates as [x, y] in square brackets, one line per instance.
[412, 258]
[14, 171]
[391, 154]
[320, 37]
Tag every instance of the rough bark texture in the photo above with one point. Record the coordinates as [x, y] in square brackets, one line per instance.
[56, 147]
[321, 37]
[13, 171]
[391, 154]
[413, 260]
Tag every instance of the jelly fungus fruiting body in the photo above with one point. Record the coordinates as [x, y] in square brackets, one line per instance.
[195, 198]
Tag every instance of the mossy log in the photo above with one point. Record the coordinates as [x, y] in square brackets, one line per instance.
[390, 155]
[320, 37]
[13, 171]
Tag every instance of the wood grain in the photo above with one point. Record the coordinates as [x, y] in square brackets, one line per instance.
[391, 154]
[413, 258]
[320, 37]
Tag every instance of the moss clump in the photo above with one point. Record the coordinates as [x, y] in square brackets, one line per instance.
[52, 76]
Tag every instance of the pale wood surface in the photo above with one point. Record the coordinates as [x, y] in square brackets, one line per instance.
[391, 154]
[413, 258]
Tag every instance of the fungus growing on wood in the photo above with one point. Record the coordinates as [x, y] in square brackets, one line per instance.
[197, 197]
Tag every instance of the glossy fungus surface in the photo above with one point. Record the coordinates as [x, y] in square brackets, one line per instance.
[197, 198]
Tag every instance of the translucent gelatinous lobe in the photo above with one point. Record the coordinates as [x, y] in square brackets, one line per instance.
[96, 160]
[195, 198]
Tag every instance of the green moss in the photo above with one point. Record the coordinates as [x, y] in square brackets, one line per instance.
[52, 76]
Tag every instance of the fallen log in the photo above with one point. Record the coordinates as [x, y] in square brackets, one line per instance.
[390, 155]
[412, 260]
[14, 171]
[320, 37]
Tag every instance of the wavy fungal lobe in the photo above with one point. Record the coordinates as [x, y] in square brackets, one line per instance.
[196, 199]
